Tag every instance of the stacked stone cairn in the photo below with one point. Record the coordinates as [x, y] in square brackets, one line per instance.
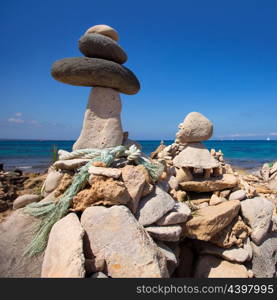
[199, 218]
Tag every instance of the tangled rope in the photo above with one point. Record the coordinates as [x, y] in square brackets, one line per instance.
[52, 212]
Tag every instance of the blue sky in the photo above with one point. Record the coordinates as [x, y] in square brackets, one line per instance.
[215, 57]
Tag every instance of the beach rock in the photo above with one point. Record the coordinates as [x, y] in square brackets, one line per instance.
[99, 46]
[265, 257]
[171, 233]
[210, 220]
[195, 155]
[236, 233]
[16, 232]
[24, 200]
[70, 164]
[216, 200]
[209, 266]
[63, 185]
[171, 258]
[94, 265]
[233, 254]
[52, 181]
[99, 275]
[178, 214]
[173, 183]
[155, 205]
[85, 71]
[134, 178]
[64, 256]
[195, 128]
[117, 237]
[257, 212]
[108, 172]
[238, 195]
[102, 126]
[183, 174]
[160, 148]
[272, 184]
[213, 184]
[103, 190]
[104, 30]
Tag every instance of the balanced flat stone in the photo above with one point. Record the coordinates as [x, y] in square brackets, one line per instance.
[64, 256]
[104, 30]
[195, 128]
[99, 46]
[116, 236]
[85, 71]
[213, 184]
[195, 155]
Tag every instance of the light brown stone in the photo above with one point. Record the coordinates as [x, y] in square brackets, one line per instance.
[214, 184]
[103, 190]
[63, 185]
[64, 256]
[24, 200]
[52, 181]
[70, 164]
[116, 236]
[208, 221]
[108, 172]
[104, 30]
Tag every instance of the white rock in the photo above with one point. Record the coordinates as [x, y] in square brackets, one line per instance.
[64, 256]
[238, 195]
[155, 205]
[52, 181]
[108, 172]
[102, 124]
[178, 214]
[24, 200]
[171, 233]
[70, 164]
[257, 212]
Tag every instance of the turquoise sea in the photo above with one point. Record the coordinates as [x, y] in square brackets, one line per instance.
[36, 156]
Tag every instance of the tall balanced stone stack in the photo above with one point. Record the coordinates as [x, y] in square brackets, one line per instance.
[102, 69]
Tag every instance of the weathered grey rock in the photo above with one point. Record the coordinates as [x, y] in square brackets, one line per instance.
[209, 266]
[210, 220]
[170, 233]
[24, 200]
[64, 256]
[233, 254]
[134, 178]
[195, 128]
[257, 212]
[265, 257]
[52, 181]
[85, 71]
[102, 123]
[70, 164]
[178, 214]
[238, 195]
[195, 155]
[152, 207]
[211, 185]
[16, 232]
[99, 46]
[108, 172]
[171, 258]
[117, 237]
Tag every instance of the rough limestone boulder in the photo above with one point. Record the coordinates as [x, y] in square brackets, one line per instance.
[85, 71]
[99, 46]
[265, 257]
[195, 128]
[257, 212]
[209, 266]
[16, 232]
[195, 155]
[213, 184]
[154, 206]
[64, 256]
[209, 221]
[116, 236]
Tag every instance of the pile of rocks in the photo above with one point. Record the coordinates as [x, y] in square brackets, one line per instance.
[197, 220]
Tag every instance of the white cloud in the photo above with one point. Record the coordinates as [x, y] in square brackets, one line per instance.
[18, 114]
[15, 120]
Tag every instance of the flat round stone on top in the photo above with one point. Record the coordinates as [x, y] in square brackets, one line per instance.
[99, 46]
[85, 71]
